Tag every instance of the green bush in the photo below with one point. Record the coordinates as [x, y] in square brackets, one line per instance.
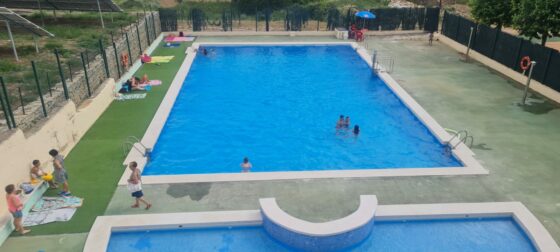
[8, 66]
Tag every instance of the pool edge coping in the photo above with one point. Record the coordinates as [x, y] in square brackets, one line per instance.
[99, 235]
[462, 153]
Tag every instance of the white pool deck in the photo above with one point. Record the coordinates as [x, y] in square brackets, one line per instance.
[100, 234]
[462, 153]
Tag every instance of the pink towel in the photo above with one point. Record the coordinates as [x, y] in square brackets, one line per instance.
[179, 39]
[155, 82]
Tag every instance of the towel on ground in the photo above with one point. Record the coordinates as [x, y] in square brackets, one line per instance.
[179, 39]
[44, 217]
[51, 209]
[52, 203]
[125, 97]
[161, 59]
[171, 45]
[152, 83]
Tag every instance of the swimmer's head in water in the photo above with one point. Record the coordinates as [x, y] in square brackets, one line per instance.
[356, 129]
[245, 160]
[341, 117]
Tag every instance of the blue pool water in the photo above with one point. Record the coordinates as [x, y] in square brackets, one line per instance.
[493, 234]
[278, 105]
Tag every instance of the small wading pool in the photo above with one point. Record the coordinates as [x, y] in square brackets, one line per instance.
[485, 234]
[278, 105]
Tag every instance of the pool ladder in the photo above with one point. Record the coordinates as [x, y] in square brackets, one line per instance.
[382, 59]
[133, 142]
[462, 135]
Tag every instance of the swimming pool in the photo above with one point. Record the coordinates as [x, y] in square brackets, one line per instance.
[278, 105]
[484, 234]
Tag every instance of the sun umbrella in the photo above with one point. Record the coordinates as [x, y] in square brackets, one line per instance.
[365, 15]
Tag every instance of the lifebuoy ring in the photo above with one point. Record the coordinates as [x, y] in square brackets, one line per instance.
[124, 59]
[525, 63]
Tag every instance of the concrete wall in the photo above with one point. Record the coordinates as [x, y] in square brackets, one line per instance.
[77, 87]
[514, 75]
[62, 130]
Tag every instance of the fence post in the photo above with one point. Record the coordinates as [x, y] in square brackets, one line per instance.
[11, 113]
[39, 88]
[139, 41]
[129, 51]
[49, 84]
[147, 30]
[518, 53]
[61, 73]
[86, 74]
[104, 56]
[547, 66]
[494, 44]
[117, 59]
[154, 25]
[21, 100]
[70, 71]
[6, 116]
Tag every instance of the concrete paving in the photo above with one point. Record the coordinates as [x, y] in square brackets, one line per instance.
[517, 144]
[45, 243]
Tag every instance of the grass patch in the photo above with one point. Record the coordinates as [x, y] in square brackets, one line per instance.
[95, 163]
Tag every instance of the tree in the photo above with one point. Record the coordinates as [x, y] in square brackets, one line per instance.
[492, 12]
[537, 18]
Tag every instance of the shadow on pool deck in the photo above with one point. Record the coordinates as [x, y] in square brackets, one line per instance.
[517, 144]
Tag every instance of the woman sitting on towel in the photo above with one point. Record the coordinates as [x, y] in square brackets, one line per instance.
[145, 58]
[145, 80]
[135, 84]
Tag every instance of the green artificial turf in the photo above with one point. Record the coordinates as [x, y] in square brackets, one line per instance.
[95, 164]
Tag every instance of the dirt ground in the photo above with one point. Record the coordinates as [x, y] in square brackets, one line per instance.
[168, 3]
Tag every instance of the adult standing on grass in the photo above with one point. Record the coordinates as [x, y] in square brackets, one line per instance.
[15, 207]
[135, 186]
[60, 174]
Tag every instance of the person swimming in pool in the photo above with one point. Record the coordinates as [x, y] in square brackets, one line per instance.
[246, 165]
[347, 122]
[340, 122]
[356, 130]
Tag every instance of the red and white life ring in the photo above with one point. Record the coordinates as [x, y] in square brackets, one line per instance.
[525, 63]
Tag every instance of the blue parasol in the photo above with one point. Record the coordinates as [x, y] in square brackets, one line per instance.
[365, 14]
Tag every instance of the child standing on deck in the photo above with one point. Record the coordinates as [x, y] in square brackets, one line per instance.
[15, 207]
[135, 186]
[60, 174]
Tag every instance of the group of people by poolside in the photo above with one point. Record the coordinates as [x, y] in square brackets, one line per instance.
[58, 178]
[135, 84]
[344, 123]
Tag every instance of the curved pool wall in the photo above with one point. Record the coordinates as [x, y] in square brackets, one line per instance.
[328, 236]
[491, 226]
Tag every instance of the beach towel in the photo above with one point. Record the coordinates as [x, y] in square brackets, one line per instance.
[161, 59]
[171, 45]
[125, 97]
[43, 217]
[51, 209]
[152, 83]
[179, 39]
[53, 203]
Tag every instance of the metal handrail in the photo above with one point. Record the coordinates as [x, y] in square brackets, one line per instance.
[131, 142]
[463, 136]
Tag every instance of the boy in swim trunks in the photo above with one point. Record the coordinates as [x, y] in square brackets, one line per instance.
[135, 181]
[15, 207]
[60, 174]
